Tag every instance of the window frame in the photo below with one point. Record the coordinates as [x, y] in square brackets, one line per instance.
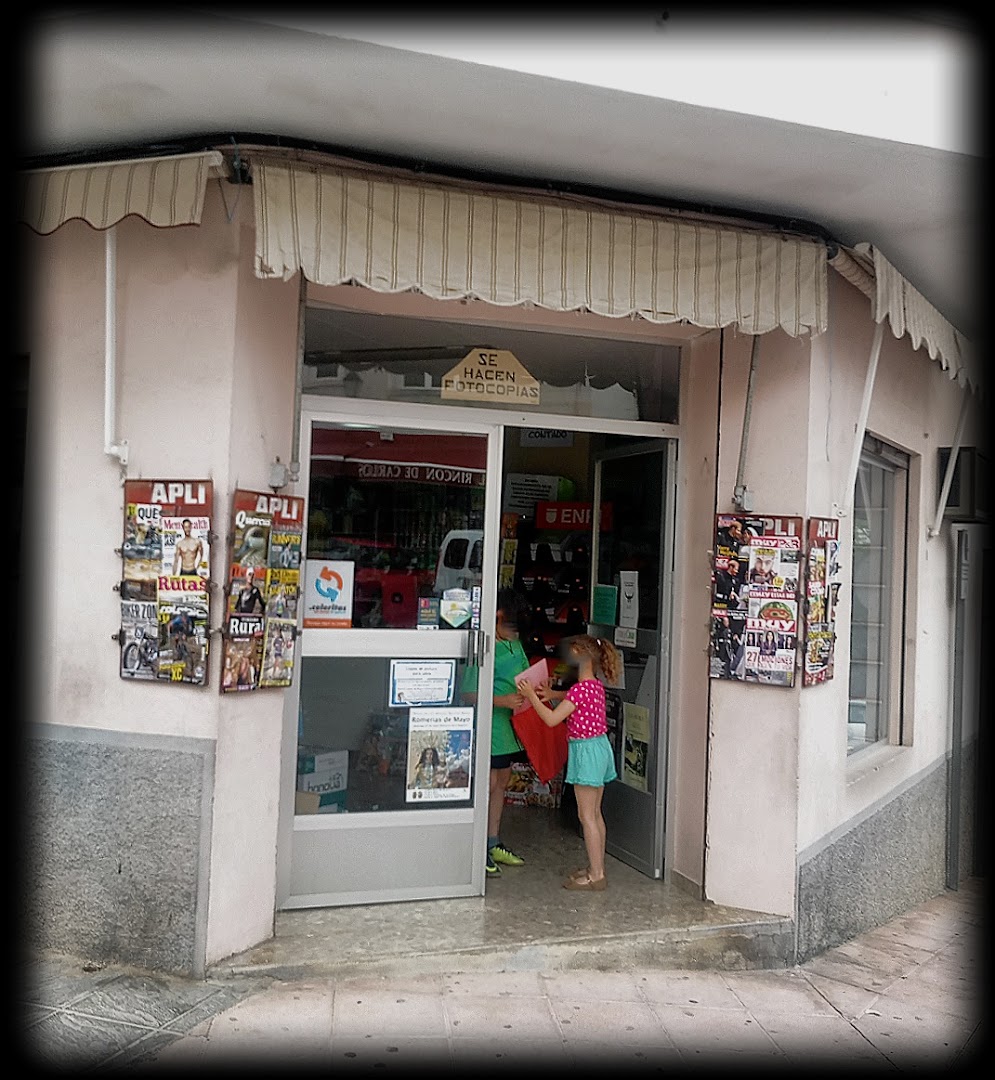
[899, 466]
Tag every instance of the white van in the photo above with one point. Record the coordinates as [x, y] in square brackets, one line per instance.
[460, 560]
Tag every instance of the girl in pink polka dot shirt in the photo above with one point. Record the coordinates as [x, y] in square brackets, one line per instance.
[591, 759]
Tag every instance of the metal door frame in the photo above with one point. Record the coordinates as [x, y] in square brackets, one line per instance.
[388, 642]
[665, 614]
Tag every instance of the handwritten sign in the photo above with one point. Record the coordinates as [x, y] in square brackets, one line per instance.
[494, 375]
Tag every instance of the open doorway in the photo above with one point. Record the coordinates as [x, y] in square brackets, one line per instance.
[584, 544]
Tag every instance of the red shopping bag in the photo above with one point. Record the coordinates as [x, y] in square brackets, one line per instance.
[546, 746]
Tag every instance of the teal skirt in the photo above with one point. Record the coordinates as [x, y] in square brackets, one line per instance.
[590, 762]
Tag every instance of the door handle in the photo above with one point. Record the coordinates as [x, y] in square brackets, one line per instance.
[473, 647]
[481, 647]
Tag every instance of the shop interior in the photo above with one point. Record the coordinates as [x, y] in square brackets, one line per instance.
[415, 536]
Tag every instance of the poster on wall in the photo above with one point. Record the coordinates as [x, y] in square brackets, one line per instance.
[635, 745]
[822, 586]
[440, 749]
[756, 570]
[166, 569]
[263, 591]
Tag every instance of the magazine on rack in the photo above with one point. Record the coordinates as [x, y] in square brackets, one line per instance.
[186, 546]
[278, 653]
[282, 592]
[139, 639]
[243, 653]
[183, 642]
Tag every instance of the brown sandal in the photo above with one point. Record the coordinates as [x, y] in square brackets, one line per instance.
[588, 885]
[579, 874]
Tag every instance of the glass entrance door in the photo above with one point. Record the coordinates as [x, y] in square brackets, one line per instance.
[386, 760]
[635, 558]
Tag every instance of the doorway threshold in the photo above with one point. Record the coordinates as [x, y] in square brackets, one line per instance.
[526, 922]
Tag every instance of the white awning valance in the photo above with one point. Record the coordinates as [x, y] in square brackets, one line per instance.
[165, 191]
[908, 311]
[397, 234]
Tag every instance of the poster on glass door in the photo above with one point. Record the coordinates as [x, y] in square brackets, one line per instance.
[440, 751]
[756, 569]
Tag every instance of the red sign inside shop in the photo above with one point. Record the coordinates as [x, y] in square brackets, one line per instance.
[570, 515]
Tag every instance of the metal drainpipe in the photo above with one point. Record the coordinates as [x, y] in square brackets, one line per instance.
[112, 447]
[740, 495]
[295, 451]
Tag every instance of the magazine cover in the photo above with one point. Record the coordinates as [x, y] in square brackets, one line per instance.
[247, 586]
[243, 653]
[186, 546]
[183, 642]
[282, 593]
[284, 546]
[278, 653]
[142, 551]
[139, 639]
[251, 539]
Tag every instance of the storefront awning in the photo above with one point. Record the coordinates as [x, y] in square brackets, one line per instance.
[908, 311]
[165, 191]
[459, 460]
[449, 241]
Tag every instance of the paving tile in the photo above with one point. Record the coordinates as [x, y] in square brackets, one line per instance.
[845, 969]
[498, 1054]
[387, 1012]
[494, 984]
[695, 1030]
[204, 1011]
[280, 1018]
[912, 1035]
[410, 984]
[383, 1054]
[778, 992]
[32, 1014]
[610, 1022]
[815, 1039]
[592, 986]
[141, 1053]
[59, 989]
[72, 1041]
[251, 1049]
[848, 1000]
[143, 1000]
[915, 990]
[628, 1057]
[515, 1019]
[701, 989]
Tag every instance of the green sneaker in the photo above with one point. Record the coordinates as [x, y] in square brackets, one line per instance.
[491, 867]
[501, 853]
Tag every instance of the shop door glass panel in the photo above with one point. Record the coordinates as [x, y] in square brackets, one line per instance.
[387, 802]
[634, 483]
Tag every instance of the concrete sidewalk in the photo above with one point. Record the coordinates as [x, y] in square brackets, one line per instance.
[907, 995]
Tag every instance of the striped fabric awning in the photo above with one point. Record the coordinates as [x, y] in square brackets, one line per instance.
[165, 191]
[449, 241]
[908, 311]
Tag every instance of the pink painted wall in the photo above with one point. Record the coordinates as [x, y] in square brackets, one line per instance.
[915, 407]
[753, 730]
[206, 357]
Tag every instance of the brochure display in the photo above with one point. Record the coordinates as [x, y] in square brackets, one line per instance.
[822, 587]
[756, 571]
[166, 564]
[263, 591]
